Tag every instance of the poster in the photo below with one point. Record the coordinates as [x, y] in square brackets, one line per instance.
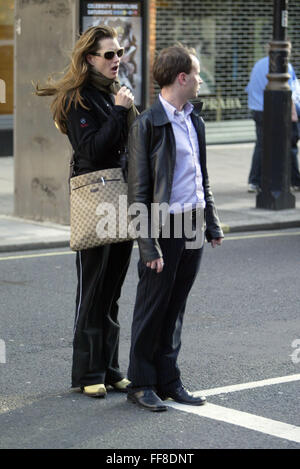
[126, 18]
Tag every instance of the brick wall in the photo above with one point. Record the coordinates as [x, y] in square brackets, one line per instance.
[152, 44]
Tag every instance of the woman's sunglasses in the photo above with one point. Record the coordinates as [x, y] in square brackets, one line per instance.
[109, 54]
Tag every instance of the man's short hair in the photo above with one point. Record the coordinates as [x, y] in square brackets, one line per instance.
[170, 62]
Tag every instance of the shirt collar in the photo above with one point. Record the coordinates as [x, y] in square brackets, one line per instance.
[172, 111]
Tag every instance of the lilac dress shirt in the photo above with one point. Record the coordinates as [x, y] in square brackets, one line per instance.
[187, 189]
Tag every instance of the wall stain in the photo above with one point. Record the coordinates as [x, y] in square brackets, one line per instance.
[42, 142]
[59, 9]
[34, 2]
[46, 186]
[56, 9]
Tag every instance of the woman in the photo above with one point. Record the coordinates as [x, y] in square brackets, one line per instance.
[95, 113]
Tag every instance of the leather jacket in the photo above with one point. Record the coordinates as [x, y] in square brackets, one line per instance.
[151, 162]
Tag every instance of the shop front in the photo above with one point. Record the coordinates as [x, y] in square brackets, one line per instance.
[6, 76]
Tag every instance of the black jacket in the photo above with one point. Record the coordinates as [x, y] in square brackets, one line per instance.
[98, 135]
[152, 157]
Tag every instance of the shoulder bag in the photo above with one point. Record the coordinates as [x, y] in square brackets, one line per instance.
[98, 209]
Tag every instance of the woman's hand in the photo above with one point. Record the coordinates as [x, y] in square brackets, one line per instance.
[124, 98]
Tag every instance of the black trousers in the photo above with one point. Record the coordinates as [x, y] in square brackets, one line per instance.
[101, 272]
[158, 315]
[255, 170]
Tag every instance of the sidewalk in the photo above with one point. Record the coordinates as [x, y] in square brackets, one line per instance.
[228, 167]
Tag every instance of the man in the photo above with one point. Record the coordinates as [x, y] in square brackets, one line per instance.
[167, 165]
[255, 89]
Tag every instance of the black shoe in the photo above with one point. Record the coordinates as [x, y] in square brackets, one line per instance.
[148, 399]
[182, 395]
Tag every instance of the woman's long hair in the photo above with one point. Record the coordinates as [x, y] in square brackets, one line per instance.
[67, 89]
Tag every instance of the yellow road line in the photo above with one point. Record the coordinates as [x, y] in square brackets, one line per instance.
[31, 256]
[234, 238]
[263, 235]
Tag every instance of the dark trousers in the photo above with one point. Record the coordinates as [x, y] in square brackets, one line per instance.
[158, 315]
[295, 174]
[101, 272]
[255, 170]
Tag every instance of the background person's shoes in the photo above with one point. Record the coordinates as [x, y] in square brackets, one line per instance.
[183, 396]
[295, 188]
[147, 399]
[121, 385]
[96, 390]
[253, 188]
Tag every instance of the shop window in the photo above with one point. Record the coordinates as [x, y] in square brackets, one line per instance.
[229, 37]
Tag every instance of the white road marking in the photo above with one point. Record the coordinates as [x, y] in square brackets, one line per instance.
[242, 419]
[250, 385]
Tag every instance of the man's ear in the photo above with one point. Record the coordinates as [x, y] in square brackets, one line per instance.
[182, 78]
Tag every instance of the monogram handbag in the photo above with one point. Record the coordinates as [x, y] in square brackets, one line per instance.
[98, 209]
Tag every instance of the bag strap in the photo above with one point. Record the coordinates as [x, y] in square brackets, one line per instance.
[71, 171]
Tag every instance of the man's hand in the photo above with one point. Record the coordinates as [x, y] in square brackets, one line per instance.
[157, 264]
[216, 242]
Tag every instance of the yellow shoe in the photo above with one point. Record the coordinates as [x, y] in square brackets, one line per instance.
[121, 386]
[96, 390]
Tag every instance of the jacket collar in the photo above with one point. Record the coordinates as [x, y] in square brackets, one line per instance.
[160, 117]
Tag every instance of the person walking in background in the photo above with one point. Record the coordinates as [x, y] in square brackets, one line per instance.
[167, 165]
[255, 89]
[296, 100]
[295, 128]
[95, 113]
